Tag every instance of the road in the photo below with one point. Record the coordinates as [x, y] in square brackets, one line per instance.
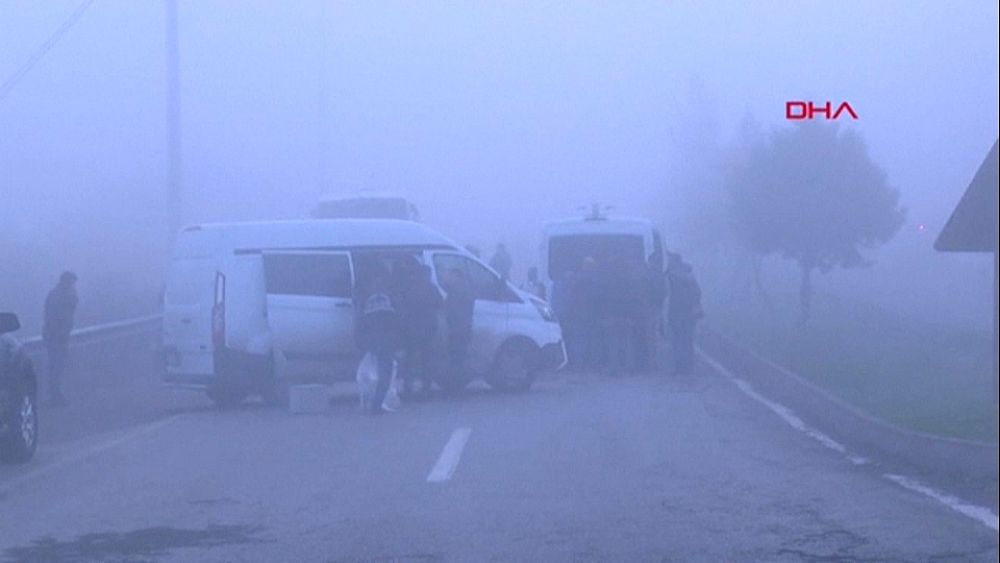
[650, 467]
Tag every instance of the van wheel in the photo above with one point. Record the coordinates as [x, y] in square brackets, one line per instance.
[22, 430]
[512, 367]
[226, 396]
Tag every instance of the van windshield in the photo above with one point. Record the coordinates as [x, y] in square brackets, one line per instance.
[567, 253]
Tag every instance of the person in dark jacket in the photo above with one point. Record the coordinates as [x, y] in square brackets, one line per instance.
[501, 261]
[377, 331]
[652, 292]
[620, 306]
[60, 307]
[419, 305]
[683, 312]
[459, 306]
[589, 307]
[533, 285]
[565, 307]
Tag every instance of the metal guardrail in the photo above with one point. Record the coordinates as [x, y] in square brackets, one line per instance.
[101, 331]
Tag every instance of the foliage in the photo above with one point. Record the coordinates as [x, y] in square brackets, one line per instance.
[812, 194]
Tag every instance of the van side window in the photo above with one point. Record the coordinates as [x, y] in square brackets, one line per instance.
[323, 275]
[485, 284]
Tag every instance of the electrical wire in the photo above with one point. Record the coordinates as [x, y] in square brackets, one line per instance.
[11, 81]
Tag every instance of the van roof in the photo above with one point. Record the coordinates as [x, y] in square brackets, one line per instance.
[597, 226]
[308, 233]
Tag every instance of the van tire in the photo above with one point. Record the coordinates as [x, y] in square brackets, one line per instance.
[513, 367]
[226, 396]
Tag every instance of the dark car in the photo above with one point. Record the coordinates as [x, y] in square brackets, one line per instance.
[18, 394]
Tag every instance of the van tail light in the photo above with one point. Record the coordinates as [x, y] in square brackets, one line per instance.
[219, 312]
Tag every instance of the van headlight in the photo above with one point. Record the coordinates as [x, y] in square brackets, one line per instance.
[544, 310]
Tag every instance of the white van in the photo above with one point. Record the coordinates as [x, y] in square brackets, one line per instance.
[567, 243]
[251, 307]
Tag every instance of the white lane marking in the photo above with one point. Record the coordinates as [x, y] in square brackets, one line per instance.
[450, 456]
[782, 411]
[980, 514]
[87, 453]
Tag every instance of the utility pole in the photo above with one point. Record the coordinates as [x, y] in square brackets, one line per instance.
[174, 187]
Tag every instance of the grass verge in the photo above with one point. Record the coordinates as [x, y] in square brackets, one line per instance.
[915, 374]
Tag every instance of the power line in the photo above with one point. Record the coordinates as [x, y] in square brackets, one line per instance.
[11, 81]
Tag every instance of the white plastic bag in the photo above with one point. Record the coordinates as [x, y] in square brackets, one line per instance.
[391, 401]
[367, 379]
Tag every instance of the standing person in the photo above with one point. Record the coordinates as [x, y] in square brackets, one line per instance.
[501, 261]
[563, 304]
[653, 292]
[621, 302]
[459, 307]
[683, 312]
[588, 305]
[378, 333]
[532, 285]
[60, 306]
[419, 305]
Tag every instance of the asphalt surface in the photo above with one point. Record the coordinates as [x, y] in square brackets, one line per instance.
[649, 467]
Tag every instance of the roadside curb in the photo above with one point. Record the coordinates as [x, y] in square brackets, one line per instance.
[967, 461]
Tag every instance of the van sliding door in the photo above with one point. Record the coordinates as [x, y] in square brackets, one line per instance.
[309, 310]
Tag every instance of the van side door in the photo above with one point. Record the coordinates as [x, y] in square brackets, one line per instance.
[493, 298]
[310, 311]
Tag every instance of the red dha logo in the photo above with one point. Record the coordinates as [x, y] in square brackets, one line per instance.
[808, 110]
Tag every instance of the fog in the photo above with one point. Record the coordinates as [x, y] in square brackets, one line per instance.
[493, 118]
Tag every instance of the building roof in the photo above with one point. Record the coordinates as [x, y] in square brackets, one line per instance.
[973, 224]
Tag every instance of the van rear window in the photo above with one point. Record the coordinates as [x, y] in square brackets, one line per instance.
[318, 274]
[567, 253]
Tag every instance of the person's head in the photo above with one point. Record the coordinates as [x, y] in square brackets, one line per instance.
[655, 260]
[67, 278]
[674, 261]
